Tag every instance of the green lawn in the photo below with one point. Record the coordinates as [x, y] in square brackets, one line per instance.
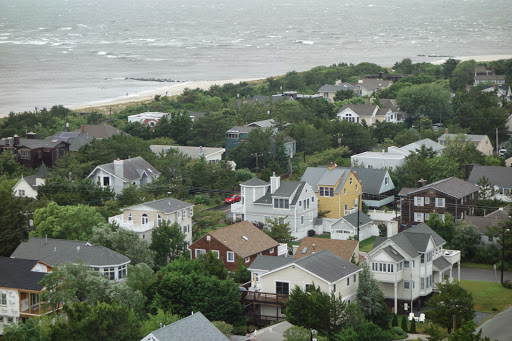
[488, 295]
[325, 235]
[367, 244]
[475, 265]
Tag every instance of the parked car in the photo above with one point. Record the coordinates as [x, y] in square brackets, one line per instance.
[232, 199]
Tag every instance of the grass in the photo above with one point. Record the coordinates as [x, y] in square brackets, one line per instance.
[476, 265]
[488, 295]
[325, 235]
[367, 244]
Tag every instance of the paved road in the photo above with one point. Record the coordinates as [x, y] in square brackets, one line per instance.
[476, 274]
[499, 327]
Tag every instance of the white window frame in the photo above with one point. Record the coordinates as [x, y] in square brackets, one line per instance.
[216, 252]
[144, 219]
[3, 300]
[407, 285]
[247, 259]
[418, 201]
[419, 217]
[198, 252]
[440, 202]
[232, 258]
[427, 200]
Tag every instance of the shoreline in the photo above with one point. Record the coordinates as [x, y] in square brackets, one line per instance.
[178, 88]
[169, 90]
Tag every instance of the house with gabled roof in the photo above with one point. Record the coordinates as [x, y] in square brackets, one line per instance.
[99, 131]
[143, 218]
[483, 223]
[273, 278]
[209, 153]
[451, 195]
[416, 146]
[27, 185]
[237, 243]
[193, 327]
[240, 134]
[328, 91]
[409, 265]
[75, 139]
[338, 189]
[292, 202]
[31, 151]
[346, 249]
[368, 86]
[481, 142]
[378, 187]
[347, 227]
[499, 177]
[121, 174]
[51, 251]
[20, 290]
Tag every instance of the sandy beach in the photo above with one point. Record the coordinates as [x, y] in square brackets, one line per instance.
[483, 58]
[169, 90]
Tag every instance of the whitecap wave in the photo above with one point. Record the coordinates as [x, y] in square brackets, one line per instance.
[65, 28]
[305, 42]
[101, 53]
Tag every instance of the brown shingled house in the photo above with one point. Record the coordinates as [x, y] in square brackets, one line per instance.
[242, 241]
[451, 195]
[346, 249]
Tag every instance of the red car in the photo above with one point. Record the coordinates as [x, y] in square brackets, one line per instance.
[232, 199]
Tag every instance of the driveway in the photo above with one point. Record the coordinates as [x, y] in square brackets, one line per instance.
[498, 327]
[477, 274]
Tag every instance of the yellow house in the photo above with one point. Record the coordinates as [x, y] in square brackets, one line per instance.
[338, 190]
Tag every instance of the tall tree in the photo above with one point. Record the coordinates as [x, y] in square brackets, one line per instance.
[431, 100]
[503, 231]
[168, 243]
[452, 300]
[371, 299]
[278, 230]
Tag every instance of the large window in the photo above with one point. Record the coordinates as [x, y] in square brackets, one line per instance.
[200, 252]
[418, 201]
[122, 272]
[3, 299]
[25, 154]
[283, 288]
[418, 217]
[110, 273]
[106, 181]
[231, 256]
[21, 192]
[440, 202]
[326, 191]
[281, 203]
[144, 219]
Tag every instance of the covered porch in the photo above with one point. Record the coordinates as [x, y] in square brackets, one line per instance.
[31, 305]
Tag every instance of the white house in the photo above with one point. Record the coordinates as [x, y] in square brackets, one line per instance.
[27, 186]
[410, 264]
[121, 174]
[481, 142]
[378, 160]
[415, 146]
[293, 202]
[273, 278]
[20, 290]
[142, 218]
[346, 227]
[110, 263]
[499, 177]
[209, 153]
[150, 119]
[371, 113]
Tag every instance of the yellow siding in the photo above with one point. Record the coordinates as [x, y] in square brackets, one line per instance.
[336, 204]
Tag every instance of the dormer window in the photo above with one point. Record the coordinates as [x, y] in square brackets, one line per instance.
[281, 203]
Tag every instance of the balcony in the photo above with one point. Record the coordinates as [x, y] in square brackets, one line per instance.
[256, 297]
[237, 208]
[347, 212]
[130, 225]
[452, 256]
[37, 308]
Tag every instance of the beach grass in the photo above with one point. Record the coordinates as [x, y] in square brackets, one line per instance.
[489, 297]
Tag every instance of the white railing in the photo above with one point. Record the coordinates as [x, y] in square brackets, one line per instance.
[452, 256]
[381, 215]
[347, 212]
[237, 207]
[282, 249]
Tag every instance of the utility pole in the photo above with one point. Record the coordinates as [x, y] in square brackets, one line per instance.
[257, 164]
[358, 206]
[497, 148]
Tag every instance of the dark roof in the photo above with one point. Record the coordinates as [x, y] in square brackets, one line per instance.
[491, 219]
[441, 263]
[327, 265]
[373, 83]
[452, 186]
[193, 327]
[286, 190]
[18, 274]
[270, 262]
[75, 139]
[255, 182]
[166, 205]
[393, 253]
[352, 219]
[241, 129]
[39, 143]
[371, 179]
[100, 131]
[413, 240]
[57, 251]
[133, 168]
[316, 176]
[336, 87]
[499, 176]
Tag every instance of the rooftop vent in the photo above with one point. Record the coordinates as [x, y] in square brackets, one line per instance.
[244, 237]
[304, 250]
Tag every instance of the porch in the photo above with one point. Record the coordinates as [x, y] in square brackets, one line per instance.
[30, 304]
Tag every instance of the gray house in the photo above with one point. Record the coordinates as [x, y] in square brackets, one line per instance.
[293, 202]
[499, 177]
[193, 327]
[346, 227]
[378, 188]
[58, 251]
[121, 174]
[482, 223]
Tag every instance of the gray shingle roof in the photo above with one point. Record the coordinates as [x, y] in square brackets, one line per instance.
[286, 190]
[499, 176]
[472, 138]
[352, 219]
[428, 143]
[57, 251]
[75, 139]
[166, 205]
[193, 327]
[316, 176]
[18, 274]
[255, 182]
[441, 263]
[371, 179]
[491, 219]
[393, 253]
[241, 129]
[270, 262]
[133, 168]
[360, 109]
[373, 83]
[327, 265]
[336, 87]
[38, 143]
[100, 131]
[452, 186]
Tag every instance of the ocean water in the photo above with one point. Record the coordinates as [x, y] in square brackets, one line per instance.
[78, 51]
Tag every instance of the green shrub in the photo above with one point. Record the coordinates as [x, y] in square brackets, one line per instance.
[240, 330]
[224, 327]
[413, 326]
[394, 322]
[397, 330]
[507, 284]
[398, 333]
[404, 323]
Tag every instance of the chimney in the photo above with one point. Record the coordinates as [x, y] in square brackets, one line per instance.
[332, 166]
[380, 74]
[16, 140]
[118, 168]
[421, 183]
[275, 182]
[446, 131]
[31, 135]
[82, 128]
